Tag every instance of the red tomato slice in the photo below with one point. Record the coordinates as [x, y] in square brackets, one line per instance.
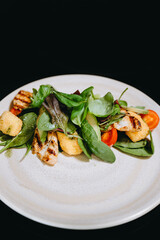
[151, 118]
[110, 137]
[15, 111]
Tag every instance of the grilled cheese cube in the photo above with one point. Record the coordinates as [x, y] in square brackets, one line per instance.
[139, 135]
[69, 145]
[10, 124]
[22, 100]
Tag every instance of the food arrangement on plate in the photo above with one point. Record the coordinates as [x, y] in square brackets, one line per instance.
[47, 121]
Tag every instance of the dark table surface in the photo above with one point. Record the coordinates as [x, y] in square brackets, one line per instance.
[48, 38]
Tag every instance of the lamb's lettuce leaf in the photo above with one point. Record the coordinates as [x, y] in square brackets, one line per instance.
[103, 106]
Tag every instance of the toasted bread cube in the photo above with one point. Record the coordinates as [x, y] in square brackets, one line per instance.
[139, 135]
[10, 124]
[69, 145]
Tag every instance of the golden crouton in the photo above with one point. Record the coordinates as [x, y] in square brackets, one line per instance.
[10, 124]
[139, 135]
[69, 145]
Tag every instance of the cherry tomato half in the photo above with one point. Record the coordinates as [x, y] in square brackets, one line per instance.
[110, 137]
[151, 118]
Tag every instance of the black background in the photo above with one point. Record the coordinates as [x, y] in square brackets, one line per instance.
[106, 38]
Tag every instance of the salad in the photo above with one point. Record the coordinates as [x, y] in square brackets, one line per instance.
[47, 122]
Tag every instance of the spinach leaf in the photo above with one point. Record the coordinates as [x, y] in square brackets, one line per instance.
[28, 145]
[84, 148]
[102, 107]
[29, 124]
[97, 147]
[124, 141]
[40, 95]
[4, 139]
[79, 113]
[151, 143]
[70, 100]
[42, 135]
[86, 93]
[70, 127]
[44, 122]
[141, 152]
[143, 148]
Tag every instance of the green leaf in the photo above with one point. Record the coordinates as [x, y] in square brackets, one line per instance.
[70, 100]
[151, 143]
[29, 124]
[143, 148]
[44, 122]
[98, 148]
[70, 128]
[28, 146]
[79, 113]
[124, 141]
[87, 92]
[122, 103]
[84, 148]
[102, 107]
[140, 152]
[59, 118]
[40, 95]
[42, 135]
[92, 120]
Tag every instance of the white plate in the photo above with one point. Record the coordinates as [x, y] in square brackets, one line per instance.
[77, 193]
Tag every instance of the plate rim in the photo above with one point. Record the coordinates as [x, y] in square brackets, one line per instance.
[59, 225]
